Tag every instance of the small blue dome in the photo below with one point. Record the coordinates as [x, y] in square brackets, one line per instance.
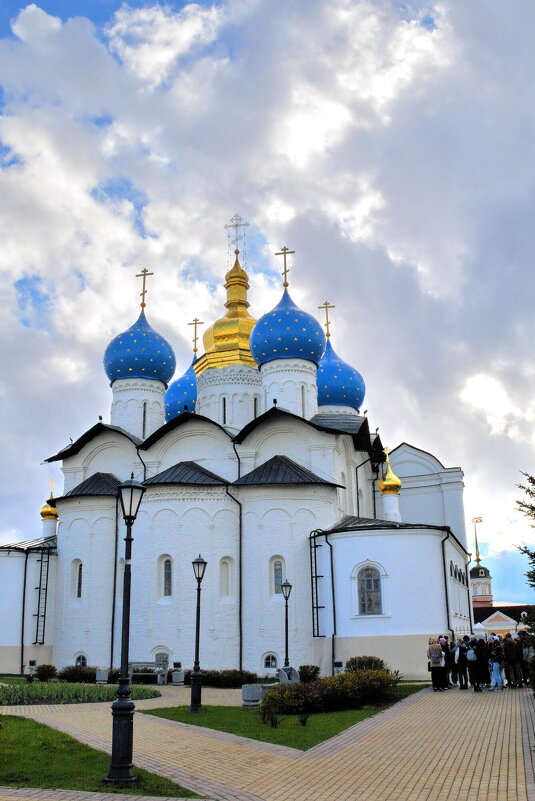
[339, 384]
[181, 393]
[287, 332]
[139, 352]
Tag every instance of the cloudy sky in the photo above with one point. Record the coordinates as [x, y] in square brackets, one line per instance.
[389, 144]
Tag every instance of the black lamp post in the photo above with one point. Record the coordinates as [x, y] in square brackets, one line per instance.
[199, 566]
[286, 588]
[122, 709]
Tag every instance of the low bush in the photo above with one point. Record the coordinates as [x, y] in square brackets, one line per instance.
[332, 694]
[357, 663]
[45, 672]
[66, 693]
[78, 674]
[308, 673]
[227, 679]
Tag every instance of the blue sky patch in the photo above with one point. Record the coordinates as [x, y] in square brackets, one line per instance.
[8, 158]
[33, 301]
[117, 189]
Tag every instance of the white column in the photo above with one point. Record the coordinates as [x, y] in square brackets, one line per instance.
[391, 507]
[292, 383]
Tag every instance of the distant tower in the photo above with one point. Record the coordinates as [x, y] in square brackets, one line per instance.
[480, 578]
[49, 514]
[389, 486]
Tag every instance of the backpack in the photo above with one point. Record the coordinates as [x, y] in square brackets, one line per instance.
[471, 655]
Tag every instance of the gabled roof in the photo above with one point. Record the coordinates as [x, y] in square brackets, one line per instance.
[483, 613]
[281, 470]
[99, 428]
[41, 544]
[97, 484]
[186, 473]
[350, 523]
[329, 423]
[176, 422]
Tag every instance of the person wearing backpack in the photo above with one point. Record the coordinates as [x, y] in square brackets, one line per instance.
[462, 662]
[471, 659]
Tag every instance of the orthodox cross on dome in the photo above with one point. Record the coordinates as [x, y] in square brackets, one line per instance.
[143, 274]
[51, 481]
[195, 322]
[475, 521]
[285, 252]
[326, 305]
[236, 222]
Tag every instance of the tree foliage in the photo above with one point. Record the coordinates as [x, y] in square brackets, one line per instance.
[527, 507]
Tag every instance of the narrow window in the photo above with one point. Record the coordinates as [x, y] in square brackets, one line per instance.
[79, 581]
[270, 661]
[144, 421]
[277, 577]
[302, 400]
[81, 661]
[224, 400]
[255, 407]
[224, 577]
[369, 590]
[167, 578]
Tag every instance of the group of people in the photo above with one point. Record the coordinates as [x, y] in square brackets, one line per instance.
[493, 663]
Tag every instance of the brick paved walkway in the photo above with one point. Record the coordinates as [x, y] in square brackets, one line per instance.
[430, 747]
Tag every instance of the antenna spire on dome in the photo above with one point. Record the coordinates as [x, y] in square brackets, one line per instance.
[285, 252]
[475, 521]
[195, 322]
[143, 274]
[326, 305]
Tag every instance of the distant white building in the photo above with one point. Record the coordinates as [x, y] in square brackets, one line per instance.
[259, 459]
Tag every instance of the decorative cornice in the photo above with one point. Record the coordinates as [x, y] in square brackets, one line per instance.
[142, 384]
[175, 493]
[234, 375]
[290, 366]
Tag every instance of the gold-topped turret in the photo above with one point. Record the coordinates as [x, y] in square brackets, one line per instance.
[226, 342]
[48, 510]
[389, 484]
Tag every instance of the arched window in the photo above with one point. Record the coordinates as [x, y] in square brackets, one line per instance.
[277, 569]
[224, 410]
[369, 591]
[76, 578]
[167, 577]
[270, 661]
[81, 660]
[255, 406]
[481, 572]
[303, 407]
[224, 577]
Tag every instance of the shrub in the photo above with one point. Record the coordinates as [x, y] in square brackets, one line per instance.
[227, 679]
[113, 676]
[332, 694]
[79, 674]
[67, 693]
[45, 672]
[308, 673]
[357, 663]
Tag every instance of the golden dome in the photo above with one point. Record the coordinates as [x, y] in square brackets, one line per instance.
[226, 342]
[389, 484]
[49, 511]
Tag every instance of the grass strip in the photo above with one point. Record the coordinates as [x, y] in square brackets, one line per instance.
[245, 721]
[64, 693]
[34, 755]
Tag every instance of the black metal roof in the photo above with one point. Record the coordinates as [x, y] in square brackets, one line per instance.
[345, 423]
[176, 422]
[74, 447]
[481, 613]
[350, 523]
[41, 544]
[281, 470]
[186, 473]
[97, 484]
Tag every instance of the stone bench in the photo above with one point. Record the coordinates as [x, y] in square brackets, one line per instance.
[252, 694]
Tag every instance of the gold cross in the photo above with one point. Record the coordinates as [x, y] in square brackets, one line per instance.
[143, 274]
[285, 252]
[195, 322]
[51, 482]
[327, 322]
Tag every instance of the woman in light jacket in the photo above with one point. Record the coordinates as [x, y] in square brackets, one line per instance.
[435, 656]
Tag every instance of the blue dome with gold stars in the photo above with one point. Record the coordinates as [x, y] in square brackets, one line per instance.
[181, 393]
[287, 332]
[339, 384]
[139, 352]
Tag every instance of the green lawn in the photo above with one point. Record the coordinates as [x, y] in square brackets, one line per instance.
[245, 721]
[33, 755]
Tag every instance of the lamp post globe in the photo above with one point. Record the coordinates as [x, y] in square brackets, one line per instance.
[199, 566]
[122, 710]
[286, 588]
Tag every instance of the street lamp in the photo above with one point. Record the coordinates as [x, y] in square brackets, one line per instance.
[122, 709]
[286, 588]
[199, 566]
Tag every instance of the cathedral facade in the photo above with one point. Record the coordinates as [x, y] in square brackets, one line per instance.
[259, 459]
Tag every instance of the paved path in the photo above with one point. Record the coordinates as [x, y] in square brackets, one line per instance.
[431, 747]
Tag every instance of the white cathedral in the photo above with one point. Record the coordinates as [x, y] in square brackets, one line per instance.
[259, 459]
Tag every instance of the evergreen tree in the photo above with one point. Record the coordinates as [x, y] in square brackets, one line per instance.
[527, 507]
